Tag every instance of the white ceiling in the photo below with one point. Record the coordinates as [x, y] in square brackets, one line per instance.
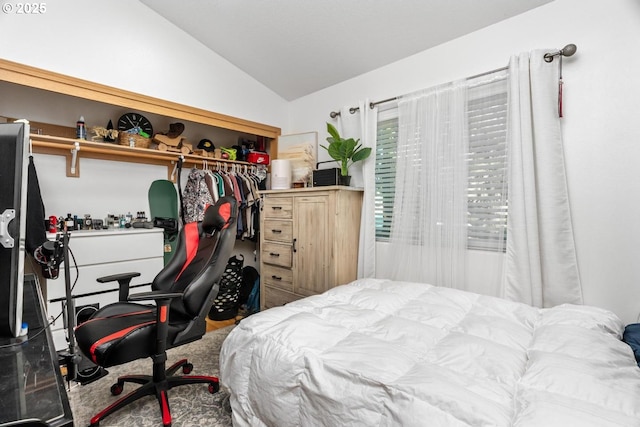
[297, 47]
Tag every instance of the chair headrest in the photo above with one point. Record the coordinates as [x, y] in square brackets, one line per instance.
[220, 215]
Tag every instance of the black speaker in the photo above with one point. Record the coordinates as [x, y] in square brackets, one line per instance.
[324, 177]
[84, 312]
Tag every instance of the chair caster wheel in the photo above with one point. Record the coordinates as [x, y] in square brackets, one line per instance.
[116, 389]
[187, 368]
[213, 388]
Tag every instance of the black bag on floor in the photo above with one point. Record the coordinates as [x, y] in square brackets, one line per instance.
[226, 304]
[249, 277]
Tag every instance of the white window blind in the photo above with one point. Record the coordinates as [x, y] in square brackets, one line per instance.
[385, 171]
[487, 189]
[487, 156]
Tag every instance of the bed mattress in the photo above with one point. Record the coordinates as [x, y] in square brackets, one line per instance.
[385, 353]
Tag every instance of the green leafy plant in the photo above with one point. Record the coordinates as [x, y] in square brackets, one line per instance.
[344, 151]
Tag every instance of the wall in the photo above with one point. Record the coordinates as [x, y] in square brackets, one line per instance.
[601, 125]
[124, 44]
[121, 43]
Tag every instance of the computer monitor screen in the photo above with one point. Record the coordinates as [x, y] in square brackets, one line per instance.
[14, 143]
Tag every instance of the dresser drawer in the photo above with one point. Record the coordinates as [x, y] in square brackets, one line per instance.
[278, 207]
[278, 277]
[278, 230]
[277, 254]
[274, 297]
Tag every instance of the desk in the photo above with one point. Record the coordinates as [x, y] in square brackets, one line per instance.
[31, 384]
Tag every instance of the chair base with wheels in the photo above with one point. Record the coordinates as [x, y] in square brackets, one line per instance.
[157, 384]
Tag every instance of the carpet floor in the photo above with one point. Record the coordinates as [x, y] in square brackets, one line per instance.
[191, 405]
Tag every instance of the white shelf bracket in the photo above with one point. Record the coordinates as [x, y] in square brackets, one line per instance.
[74, 165]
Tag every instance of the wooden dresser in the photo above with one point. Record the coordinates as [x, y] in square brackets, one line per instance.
[308, 241]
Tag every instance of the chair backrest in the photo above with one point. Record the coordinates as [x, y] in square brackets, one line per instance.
[200, 258]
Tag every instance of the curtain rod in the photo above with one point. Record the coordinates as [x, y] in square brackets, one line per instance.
[354, 110]
[568, 50]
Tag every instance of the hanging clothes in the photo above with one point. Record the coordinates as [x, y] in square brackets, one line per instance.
[196, 196]
[207, 186]
[212, 184]
[248, 208]
[237, 191]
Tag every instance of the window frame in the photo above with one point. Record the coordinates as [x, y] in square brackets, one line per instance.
[486, 230]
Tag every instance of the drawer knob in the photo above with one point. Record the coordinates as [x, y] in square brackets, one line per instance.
[276, 277]
[274, 254]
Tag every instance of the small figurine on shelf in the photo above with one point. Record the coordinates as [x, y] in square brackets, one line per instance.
[108, 134]
[205, 148]
[172, 141]
[111, 133]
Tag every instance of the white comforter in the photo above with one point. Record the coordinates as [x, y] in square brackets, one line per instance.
[381, 353]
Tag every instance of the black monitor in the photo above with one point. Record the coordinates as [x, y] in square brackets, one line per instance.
[14, 151]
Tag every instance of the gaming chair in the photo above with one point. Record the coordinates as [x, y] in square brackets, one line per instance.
[183, 293]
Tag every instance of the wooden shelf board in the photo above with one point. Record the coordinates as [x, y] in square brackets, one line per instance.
[55, 145]
[42, 79]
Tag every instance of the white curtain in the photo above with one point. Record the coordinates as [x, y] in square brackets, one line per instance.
[362, 125]
[429, 230]
[541, 266]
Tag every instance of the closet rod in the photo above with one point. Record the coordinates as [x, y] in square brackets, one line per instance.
[568, 50]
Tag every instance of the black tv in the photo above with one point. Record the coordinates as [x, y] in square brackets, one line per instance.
[14, 151]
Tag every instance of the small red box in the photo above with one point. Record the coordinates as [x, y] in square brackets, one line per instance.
[258, 158]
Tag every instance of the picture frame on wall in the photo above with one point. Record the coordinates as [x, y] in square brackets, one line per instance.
[302, 150]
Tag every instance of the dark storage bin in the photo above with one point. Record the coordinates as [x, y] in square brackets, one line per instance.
[226, 304]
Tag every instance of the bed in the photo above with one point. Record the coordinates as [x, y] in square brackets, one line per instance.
[383, 353]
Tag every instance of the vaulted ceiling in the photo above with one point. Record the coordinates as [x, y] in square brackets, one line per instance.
[297, 47]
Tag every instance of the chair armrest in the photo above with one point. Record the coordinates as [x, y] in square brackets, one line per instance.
[118, 277]
[162, 300]
[154, 295]
[124, 279]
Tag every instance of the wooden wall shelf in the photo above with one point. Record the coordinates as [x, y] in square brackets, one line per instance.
[24, 75]
[54, 145]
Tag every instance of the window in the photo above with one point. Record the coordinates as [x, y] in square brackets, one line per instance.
[385, 171]
[487, 156]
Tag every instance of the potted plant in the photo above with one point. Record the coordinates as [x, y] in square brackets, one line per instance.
[345, 151]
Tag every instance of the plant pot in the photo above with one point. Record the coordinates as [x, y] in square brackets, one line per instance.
[345, 180]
